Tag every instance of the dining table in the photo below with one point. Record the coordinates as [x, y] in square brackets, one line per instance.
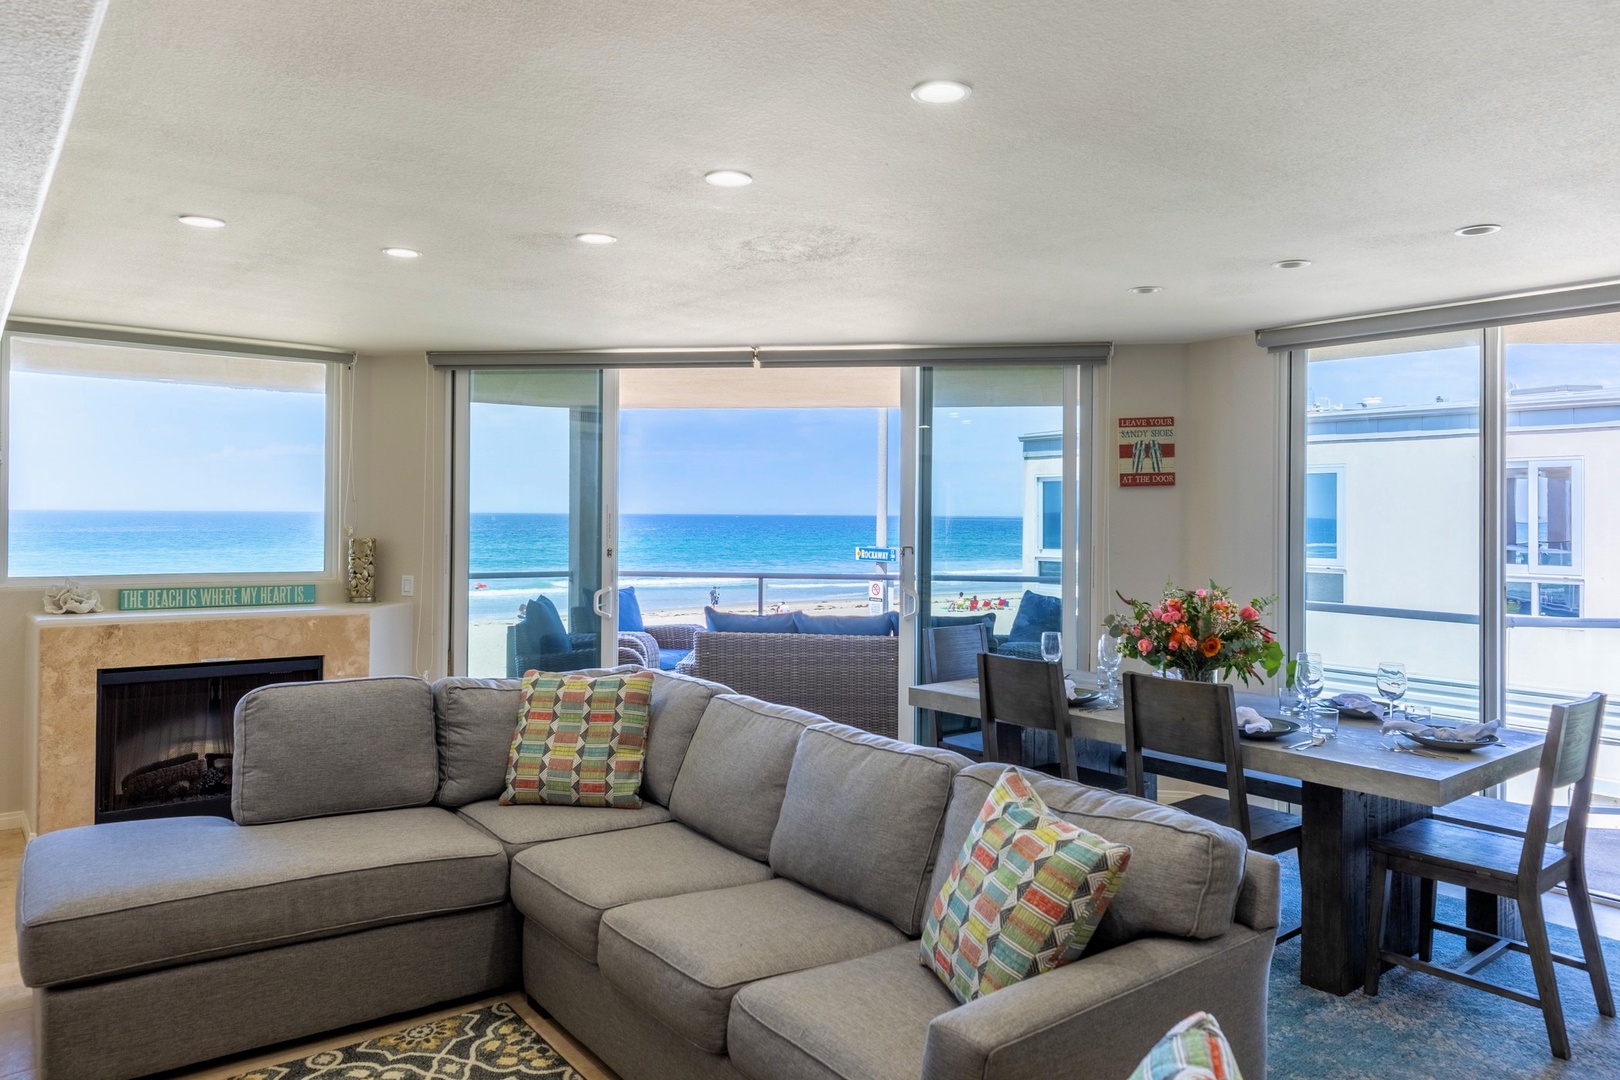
[1352, 788]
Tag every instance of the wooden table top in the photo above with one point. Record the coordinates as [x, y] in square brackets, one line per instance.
[1355, 761]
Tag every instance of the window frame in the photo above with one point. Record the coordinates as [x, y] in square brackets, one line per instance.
[339, 387]
[1534, 569]
[1337, 562]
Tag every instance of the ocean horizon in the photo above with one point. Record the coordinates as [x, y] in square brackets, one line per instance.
[724, 547]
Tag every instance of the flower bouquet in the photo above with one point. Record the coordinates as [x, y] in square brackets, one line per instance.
[1201, 633]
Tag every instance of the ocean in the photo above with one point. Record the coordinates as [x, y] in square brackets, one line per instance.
[57, 544]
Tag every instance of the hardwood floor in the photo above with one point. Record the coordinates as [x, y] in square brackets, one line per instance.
[17, 1014]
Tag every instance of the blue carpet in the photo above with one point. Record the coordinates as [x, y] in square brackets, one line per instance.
[1423, 1028]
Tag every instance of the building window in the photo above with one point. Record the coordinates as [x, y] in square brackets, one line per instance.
[1324, 586]
[127, 461]
[1052, 514]
[1548, 599]
[1324, 509]
[1543, 504]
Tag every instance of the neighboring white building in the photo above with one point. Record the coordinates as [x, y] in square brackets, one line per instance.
[1043, 505]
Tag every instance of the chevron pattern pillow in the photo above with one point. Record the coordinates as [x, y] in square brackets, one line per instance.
[1024, 896]
[580, 741]
[1195, 1049]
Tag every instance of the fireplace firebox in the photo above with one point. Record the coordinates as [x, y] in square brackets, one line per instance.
[164, 738]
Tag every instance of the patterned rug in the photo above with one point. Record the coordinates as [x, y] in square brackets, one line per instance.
[492, 1043]
[1423, 1028]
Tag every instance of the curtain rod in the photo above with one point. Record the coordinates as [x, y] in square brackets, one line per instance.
[175, 340]
[783, 356]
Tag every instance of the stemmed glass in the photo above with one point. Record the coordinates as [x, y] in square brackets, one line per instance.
[1052, 647]
[1308, 677]
[1391, 682]
[1108, 661]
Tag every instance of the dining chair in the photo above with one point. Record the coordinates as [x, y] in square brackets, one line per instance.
[951, 653]
[1021, 693]
[1199, 720]
[1520, 868]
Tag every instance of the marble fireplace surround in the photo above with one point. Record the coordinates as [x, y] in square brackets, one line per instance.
[67, 650]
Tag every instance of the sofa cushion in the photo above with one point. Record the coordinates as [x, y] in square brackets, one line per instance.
[724, 622]
[1193, 1049]
[731, 784]
[865, 1018]
[567, 886]
[476, 718]
[580, 740]
[1023, 896]
[678, 704]
[541, 629]
[319, 748]
[519, 827]
[1185, 872]
[1037, 614]
[683, 957]
[111, 899]
[848, 625]
[862, 818]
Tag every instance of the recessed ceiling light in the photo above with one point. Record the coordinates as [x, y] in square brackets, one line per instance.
[1147, 290]
[402, 253]
[1292, 264]
[199, 221]
[728, 178]
[1478, 230]
[596, 238]
[940, 92]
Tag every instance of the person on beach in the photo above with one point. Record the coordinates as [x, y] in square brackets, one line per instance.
[714, 596]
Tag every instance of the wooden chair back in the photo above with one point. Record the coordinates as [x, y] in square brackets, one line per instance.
[1025, 693]
[1188, 719]
[1569, 756]
[952, 652]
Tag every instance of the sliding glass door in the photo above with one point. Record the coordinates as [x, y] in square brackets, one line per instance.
[531, 557]
[1392, 515]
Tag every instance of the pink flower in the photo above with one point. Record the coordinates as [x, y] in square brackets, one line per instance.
[1170, 617]
[1143, 646]
[1248, 614]
[1202, 593]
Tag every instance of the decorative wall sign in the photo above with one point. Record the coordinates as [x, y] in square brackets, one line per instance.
[214, 596]
[1147, 451]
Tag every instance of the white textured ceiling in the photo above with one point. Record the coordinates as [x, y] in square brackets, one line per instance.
[43, 51]
[1106, 145]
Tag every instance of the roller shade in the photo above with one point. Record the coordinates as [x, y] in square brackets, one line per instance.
[106, 360]
[1442, 318]
[173, 342]
[785, 356]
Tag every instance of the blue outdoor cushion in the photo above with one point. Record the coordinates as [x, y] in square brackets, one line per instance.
[669, 659]
[726, 623]
[542, 630]
[630, 610]
[884, 625]
[1036, 615]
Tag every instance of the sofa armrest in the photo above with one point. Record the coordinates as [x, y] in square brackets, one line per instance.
[1101, 1015]
[674, 635]
[1260, 898]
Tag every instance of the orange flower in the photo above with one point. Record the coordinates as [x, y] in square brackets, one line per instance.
[1212, 645]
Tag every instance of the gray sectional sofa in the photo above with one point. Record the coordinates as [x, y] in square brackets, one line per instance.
[756, 918]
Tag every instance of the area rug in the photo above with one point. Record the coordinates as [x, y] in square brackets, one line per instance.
[492, 1043]
[1423, 1028]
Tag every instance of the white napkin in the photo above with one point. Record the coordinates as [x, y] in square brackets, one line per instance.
[1252, 722]
[1459, 733]
[1360, 703]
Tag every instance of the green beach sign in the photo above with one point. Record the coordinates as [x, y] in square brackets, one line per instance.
[214, 596]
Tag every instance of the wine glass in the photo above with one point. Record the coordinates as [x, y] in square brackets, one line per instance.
[1308, 676]
[1108, 661]
[1052, 647]
[1391, 682]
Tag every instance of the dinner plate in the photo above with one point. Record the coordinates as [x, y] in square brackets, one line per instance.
[1279, 728]
[1452, 744]
[1080, 701]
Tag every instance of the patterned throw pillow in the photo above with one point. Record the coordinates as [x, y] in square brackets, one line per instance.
[1024, 896]
[579, 740]
[1194, 1049]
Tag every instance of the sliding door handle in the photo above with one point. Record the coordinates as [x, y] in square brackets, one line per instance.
[599, 603]
[908, 604]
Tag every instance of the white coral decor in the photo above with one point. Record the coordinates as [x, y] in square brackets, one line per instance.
[72, 599]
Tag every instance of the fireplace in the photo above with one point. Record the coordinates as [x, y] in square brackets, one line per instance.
[163, 734]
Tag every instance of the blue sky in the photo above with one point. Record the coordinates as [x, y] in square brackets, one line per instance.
[82, 443]
[1410, 378]
[763, 461]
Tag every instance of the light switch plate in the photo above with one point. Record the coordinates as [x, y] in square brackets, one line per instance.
[407, 585]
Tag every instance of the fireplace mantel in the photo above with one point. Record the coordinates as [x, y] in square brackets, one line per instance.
[65, 652]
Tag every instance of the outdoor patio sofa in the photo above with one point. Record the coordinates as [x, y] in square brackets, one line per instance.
[756, 917]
